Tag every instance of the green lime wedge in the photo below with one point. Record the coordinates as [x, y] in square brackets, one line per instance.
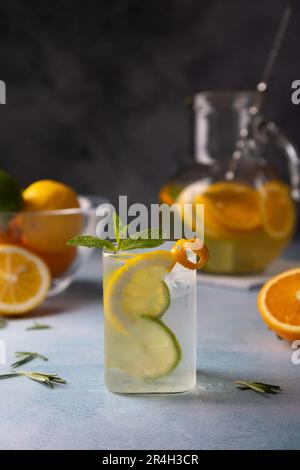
[150, 351]
[165, 304]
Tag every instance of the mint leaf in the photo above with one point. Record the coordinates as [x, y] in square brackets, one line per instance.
[117, 225]
[124, 233]
[149, 238]
[91, 242]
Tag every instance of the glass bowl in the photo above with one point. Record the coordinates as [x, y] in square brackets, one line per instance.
[45, 233]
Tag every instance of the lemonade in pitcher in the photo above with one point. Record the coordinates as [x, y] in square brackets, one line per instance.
[245, 227]
[249, 211]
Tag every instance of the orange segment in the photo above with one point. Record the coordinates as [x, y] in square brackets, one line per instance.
[179, 253]
[279, 304]
[277, 210]
[24, 280]
[234, 206]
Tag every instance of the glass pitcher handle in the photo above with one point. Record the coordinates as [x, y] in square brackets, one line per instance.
[268, 131]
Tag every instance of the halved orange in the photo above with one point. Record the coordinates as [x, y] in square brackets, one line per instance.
[24, 280]
[279, 304]
[277, 210]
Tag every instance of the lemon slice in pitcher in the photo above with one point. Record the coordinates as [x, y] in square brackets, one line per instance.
[138, 288]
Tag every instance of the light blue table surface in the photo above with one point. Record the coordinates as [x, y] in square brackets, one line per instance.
[233, 343]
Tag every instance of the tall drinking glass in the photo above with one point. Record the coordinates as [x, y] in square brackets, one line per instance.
[150, 322]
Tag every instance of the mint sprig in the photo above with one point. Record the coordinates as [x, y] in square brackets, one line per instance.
[149, 238]
[91, 242]
[146, 239]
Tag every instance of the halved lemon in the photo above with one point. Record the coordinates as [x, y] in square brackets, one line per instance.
[138, 288]
[279, 304]
[24, 280]
[277, 210]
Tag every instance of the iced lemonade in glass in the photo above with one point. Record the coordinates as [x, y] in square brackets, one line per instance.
[150, 323]
[149, 289]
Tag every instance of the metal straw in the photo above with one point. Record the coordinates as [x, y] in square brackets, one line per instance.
[262, 86]
[261, 89]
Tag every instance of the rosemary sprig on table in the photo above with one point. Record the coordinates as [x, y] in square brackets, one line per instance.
[46, 379]
[259, 387]
[3, 322]
[26, 356]
[38, 326]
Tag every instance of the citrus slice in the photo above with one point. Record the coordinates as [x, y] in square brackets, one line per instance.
[212, 226]
[150, 352]
[138, 288]
[277, 210]
[279, 304]
[24, 280]
[188, 194]
[179, 252]
[234, 206]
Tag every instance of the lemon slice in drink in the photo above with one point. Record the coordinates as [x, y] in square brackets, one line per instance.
[150, 351]
[138, 288]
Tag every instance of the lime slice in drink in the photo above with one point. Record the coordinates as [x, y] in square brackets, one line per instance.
[150, 351]
[138, 288]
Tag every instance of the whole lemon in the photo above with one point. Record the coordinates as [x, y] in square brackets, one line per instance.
[49, 232]
[47, 195]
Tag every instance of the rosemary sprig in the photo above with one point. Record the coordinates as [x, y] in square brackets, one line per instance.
[3, 322]
[27, 357]
[47, 379]
[9, 375]
[38, 326]
[259, 387]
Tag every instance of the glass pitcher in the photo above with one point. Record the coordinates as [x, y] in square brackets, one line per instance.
[240, 177]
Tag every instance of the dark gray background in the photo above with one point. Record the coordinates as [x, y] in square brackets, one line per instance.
[95, 89]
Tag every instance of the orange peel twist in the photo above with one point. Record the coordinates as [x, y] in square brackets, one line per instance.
[179, 252]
